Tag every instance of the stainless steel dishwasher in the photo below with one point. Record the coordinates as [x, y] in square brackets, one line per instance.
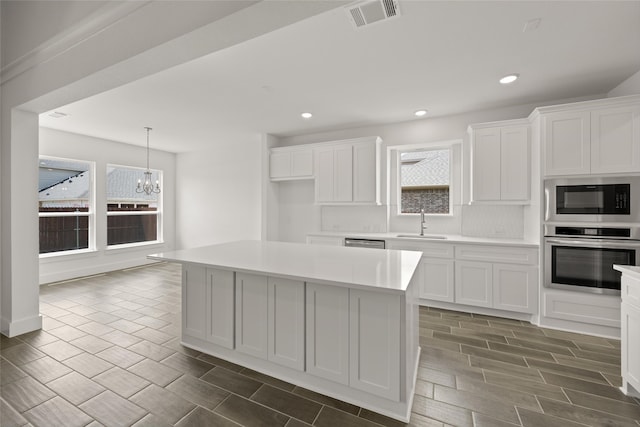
[364, 243]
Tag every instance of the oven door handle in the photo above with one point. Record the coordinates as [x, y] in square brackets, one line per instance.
[595, 243]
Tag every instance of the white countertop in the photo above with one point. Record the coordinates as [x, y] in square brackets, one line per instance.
[450, 238]
[389, 270]
[631, 270]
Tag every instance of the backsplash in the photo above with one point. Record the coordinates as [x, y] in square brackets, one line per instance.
[502, 221]
[368, 219]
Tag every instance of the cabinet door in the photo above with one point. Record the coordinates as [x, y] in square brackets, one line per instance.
[514, 163]
[515, 288]
[324, 181]
[474, 283]
[286, 322]
[343, 174]
[615, 140]
[485, 184]
[365, 173]
[194, 309]
[374, 350]
[301, 163]
[630, 345]
[279, 165]
[567, 143]
[220, 307]
[251, 314]
[437, 279]
[327, 338]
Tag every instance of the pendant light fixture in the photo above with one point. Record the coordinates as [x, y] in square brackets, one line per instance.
[147, 186]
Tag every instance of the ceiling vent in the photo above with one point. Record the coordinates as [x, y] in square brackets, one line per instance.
[370, 11]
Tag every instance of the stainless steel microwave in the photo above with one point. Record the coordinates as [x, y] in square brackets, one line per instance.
[598, 199]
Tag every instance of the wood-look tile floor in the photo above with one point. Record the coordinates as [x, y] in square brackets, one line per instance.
[109, 354]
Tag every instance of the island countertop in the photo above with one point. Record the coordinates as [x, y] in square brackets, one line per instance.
[389, 270]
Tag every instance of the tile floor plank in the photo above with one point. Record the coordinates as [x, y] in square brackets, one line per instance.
[110, 351]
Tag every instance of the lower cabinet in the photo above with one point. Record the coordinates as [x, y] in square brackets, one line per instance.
[270, 319]
[500, 277]
[437, 279]
[374, 351]
[515, 287]
[510, 287]
[327, 340]
[251, 315]
[345, 335]
[474, 283]
[194, 302]
[631, 348]
[220, 295]
[630, 331]
[286, 322]
[436, 268]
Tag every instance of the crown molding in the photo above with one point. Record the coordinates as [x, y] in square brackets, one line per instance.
[83, 30]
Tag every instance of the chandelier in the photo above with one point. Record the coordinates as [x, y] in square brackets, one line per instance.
[147, 186]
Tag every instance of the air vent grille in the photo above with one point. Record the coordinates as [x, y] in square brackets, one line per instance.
[356, 15]
[370, 11]
[390, 8]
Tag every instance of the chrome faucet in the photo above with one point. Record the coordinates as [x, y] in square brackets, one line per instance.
[423, 223]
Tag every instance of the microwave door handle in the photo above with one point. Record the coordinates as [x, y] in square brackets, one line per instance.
[546, 204]
[595, 243]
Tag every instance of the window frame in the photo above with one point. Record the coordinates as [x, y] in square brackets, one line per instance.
[422, 147]
[159, 212]
[90, 213]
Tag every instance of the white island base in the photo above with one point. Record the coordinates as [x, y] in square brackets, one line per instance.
[338, 321]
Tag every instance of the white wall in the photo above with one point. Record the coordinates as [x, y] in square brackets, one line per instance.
[295, 211]
[219, 193]
[90, 56]
[81, 147]
[630, 86]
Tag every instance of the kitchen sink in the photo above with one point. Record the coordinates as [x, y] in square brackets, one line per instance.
[426, 236]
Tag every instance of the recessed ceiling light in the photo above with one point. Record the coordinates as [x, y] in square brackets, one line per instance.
[509, 79]
[306, 115]
[420, 113]
[58, 115]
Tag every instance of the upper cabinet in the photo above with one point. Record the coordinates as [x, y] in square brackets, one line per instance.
[500, 159]
[289, 163]
[595, 137]
[348, 172]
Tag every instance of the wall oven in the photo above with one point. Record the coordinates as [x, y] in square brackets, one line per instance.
[581, 258]
[595, 199]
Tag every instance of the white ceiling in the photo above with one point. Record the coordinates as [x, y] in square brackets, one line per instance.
[444, 56]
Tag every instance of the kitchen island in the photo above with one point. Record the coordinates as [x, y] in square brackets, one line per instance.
[630, 329]
[339, 321]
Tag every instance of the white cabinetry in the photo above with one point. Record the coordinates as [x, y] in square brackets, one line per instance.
[194, 301]
[347, 172]
[436, 268]
[500, 277]
[630, 344]
[592, 137]
[220, 295]
[252, 315]
[289, 163]
[500, 159]
[327, 323]
[474, 283]
[286, 322]
[374, 351]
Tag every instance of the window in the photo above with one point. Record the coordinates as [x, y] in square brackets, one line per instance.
[132, 217]
[425, 176]
[65, 205]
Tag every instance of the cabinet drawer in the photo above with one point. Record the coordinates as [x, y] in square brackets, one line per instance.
[431, 250]
[502, 254]
[631, 290]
